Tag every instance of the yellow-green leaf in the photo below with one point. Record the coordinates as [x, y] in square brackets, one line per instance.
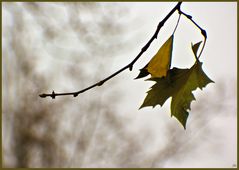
[160, 63]
[178, 84]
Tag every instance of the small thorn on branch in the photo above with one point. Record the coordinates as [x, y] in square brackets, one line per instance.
[75, 95]
[188, 16]
[161, 24]
[146, 46]
[130, 67]
[53, 95]
[100, 83]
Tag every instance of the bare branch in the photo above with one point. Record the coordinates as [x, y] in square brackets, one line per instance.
[146, 46]
[129, 66]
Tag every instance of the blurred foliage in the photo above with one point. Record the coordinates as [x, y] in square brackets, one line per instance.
[59, 133]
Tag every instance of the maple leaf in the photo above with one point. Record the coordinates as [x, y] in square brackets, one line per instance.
[161, 61]
[195, 47]
[178, 84]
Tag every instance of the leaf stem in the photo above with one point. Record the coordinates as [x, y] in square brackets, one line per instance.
[129, 66]
[204, 42]
[177, 23]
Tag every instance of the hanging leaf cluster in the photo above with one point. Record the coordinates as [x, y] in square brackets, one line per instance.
[176, 82]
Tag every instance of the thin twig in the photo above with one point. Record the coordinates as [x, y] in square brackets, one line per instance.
[203, 32]
[129, 66]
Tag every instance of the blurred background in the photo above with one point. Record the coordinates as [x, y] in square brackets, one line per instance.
[66, 47]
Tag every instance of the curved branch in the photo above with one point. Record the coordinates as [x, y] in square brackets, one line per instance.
[129, 66]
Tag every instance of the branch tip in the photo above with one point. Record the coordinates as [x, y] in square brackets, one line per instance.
[42, 95]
